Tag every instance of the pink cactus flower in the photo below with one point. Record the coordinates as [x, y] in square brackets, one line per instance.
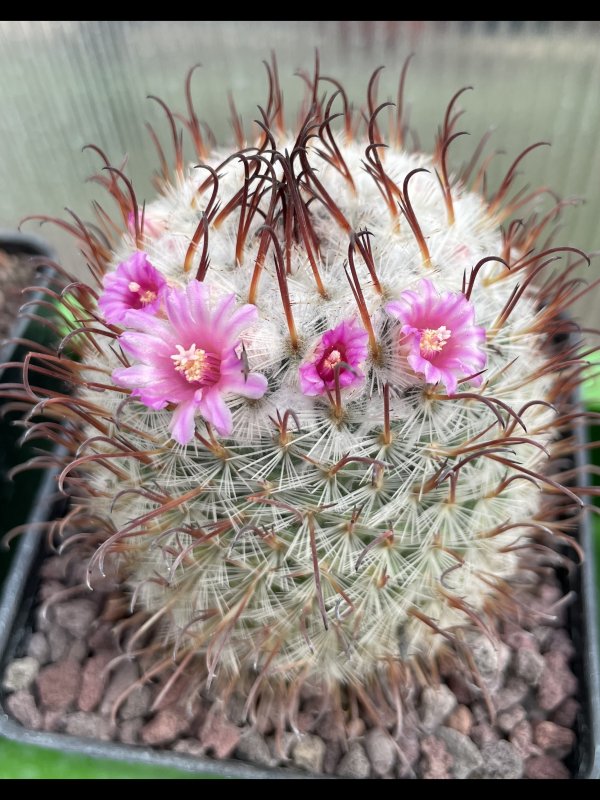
[134, 285]
[440, 336]
[190, 359]
[346, 343]
[152, 227]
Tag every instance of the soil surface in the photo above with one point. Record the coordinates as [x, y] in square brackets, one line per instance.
[520, 720]
[16, 274]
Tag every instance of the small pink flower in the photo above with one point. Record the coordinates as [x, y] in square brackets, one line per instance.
[134, 285]
[347, 343]
[152, 227]
[443, 342]
[190, 359]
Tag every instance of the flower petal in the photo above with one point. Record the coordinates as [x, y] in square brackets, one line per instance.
[183, 425]
[133, 377]
[190, 359]
[439, 335]
[134, 284]
[310, 382]
[344, 344]
[144, 346]
[180, 315]
[253, 385]
[146, 323]
[214, 410]
[241, 319]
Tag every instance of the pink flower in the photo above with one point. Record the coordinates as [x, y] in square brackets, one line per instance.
[347, 343]
[152, 227]
[443, 342]
[190, 359]
[135, 284]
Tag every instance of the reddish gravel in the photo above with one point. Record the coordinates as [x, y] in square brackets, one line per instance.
[71, 676]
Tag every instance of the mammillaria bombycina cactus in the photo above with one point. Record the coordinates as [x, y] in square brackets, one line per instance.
[317, 408]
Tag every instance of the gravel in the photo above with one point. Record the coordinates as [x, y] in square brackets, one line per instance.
[436, 763]
[382, 751]
[546, 768]
[58, 641]
[24, 709]
[521, 738]
[137, 703]
[38, 648]
[483, 733]
[164, 728]
[355, 764]
[514, 691]
[220, 736]
[309, 753]
[529, 665]
[508, 720]
[189, 747]
[93, 681]
[123, 676]
[566, 713]
[461, 719]
[89, 726]
[20, 674]
[129, 731]
[466, 755]
[501, 760]
[58, 685]
[554, 739]
[436, 704]
[333, 755]
[513, 718]
[75, 616]
[489, 657]
[253, 747]
[557, 682]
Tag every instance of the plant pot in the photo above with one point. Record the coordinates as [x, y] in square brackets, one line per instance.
[15, 623]
[16, 496]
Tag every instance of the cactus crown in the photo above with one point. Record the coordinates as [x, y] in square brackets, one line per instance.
[315, 396]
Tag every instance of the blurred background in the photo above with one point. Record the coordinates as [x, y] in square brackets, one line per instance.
[66, 84]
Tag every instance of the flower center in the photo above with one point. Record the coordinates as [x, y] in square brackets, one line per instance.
[432, 341]
[196, 365]
[332, 356]
[147, 296]
[332, 359]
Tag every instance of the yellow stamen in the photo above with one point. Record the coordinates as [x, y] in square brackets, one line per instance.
[432, 341]
[191, 363]
[145, 297]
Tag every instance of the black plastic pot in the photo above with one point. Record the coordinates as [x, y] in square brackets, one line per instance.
[15, 623]
[16, 243]
[16, 496]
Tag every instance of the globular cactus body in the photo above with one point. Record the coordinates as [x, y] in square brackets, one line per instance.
[316, 401]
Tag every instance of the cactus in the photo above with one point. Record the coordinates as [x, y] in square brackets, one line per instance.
[317, 410]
